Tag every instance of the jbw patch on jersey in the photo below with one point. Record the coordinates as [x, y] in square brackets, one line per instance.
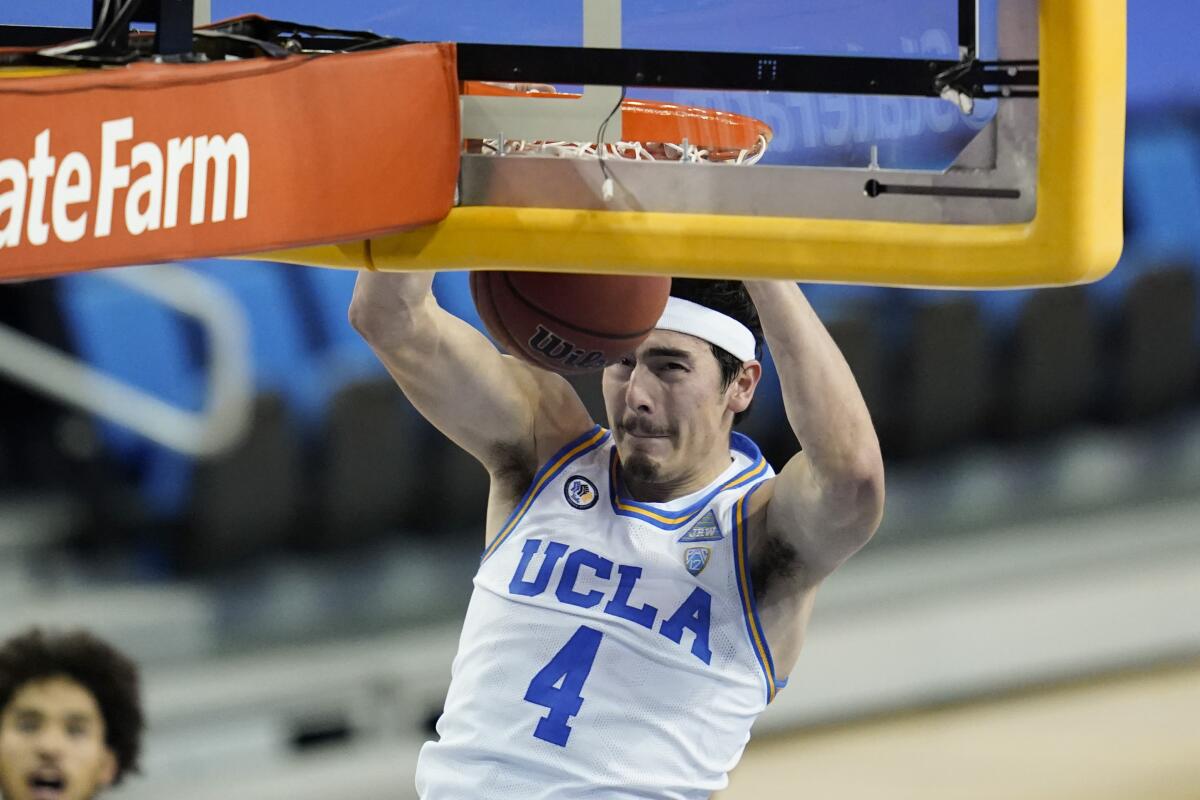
[696, 559]
[581, 492]
[706, 529]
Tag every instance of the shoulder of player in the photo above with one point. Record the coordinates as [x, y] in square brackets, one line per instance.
[760, 497]
[791, 517]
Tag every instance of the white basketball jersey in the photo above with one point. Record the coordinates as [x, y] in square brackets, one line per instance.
[612, 648]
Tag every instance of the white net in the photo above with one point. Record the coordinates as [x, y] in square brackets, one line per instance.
[681, 151]
[637, 151]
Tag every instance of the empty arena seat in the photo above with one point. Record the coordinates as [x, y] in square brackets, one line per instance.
[374, 453]
[377, 461]
[1047, 345]
[1152, 347]
[246, 502]
[852, 314]
[941, 371]
[360, 449]
[221, 510]
[36, 450]
[279, 345]
[143, 343]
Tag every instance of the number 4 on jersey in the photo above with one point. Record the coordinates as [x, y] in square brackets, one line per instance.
[558, 685]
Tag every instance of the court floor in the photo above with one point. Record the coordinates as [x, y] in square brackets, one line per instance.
[1130, 737]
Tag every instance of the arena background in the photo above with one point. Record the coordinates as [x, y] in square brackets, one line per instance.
[1023, 626]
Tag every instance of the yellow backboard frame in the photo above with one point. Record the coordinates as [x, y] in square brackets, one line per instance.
[1075, 237]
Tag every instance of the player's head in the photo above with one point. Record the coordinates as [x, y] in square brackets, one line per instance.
[673, 401]
[70, 716]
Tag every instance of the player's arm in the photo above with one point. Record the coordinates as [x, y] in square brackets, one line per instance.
[827, 501]
[507, 414]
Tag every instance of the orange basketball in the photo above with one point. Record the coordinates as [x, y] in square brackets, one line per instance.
[569, 323]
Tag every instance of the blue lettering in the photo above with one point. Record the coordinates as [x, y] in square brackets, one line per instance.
[695, 615]
[566, 584]
[518, 584]
[619, 605]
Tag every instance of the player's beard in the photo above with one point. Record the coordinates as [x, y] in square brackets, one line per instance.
[641, 468]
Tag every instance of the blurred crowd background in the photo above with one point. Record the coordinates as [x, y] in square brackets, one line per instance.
[295, 599]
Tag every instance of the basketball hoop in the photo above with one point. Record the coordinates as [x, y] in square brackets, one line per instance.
[654, 131]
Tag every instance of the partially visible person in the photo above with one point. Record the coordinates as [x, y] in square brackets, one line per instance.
[70, 716]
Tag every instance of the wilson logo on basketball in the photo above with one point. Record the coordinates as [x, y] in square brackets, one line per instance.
[556, 348]
[66, 196]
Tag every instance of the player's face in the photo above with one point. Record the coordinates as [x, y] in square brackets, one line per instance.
[52, 743]
[667, 409]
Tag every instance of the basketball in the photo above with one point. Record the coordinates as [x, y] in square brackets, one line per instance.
[569, 323]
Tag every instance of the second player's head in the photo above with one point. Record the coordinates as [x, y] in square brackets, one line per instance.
[673, 401]
[70, 716]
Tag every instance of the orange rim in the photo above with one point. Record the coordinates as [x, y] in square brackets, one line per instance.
[722, 133]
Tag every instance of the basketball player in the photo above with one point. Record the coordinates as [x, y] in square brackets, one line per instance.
[70, 716]
[644, 590]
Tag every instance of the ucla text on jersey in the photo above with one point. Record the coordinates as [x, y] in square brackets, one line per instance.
[692, 614]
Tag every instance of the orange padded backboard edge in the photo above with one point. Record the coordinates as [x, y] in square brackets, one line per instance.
[156, 162]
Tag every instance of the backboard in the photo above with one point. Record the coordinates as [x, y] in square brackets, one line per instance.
[863, 182]
[860, 132]
[913, 142]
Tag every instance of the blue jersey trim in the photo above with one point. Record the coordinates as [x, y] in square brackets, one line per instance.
[673, 520]
[754, 629]
[574, 450]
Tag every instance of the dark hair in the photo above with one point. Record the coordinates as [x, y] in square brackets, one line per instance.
[95, 665]
[732, 300]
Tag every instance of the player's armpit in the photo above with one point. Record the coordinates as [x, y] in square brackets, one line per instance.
[823, 521]
[799, 534]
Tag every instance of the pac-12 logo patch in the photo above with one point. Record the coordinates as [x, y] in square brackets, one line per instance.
[581, 492]
[705, 530]
[696, 559]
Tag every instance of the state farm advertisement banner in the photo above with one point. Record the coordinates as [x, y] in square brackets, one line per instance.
[157, 162]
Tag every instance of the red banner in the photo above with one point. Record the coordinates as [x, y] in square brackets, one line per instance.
[158, 162]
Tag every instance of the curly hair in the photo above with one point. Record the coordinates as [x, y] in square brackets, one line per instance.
[95, 665]
[732, 300]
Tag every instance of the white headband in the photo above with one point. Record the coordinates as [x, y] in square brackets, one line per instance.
[684, 316]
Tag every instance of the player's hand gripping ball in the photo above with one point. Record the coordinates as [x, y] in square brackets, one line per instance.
[569, 323]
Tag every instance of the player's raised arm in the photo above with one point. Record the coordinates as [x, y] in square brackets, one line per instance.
[828, 500]
[508, 414]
